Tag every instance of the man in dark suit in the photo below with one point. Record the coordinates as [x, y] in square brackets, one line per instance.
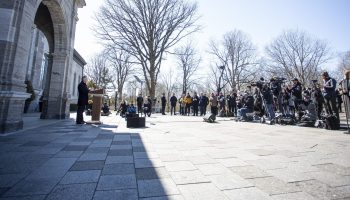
[163, 99]
[83, 99]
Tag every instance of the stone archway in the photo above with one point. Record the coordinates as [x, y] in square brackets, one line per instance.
[50, 20]
[57, 20]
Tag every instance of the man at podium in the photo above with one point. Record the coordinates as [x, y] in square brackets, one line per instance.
[83, 99]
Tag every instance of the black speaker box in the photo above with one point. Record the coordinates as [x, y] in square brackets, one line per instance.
[135, 122]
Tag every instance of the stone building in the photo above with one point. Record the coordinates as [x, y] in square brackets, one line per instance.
[19, 21]
[76, 76]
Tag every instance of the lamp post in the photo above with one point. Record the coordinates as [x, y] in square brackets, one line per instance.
[139, 80]
[222, 68]
[115, 100]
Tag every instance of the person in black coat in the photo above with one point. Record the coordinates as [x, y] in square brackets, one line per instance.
[195, 104]
[268, 99]
[248, 107]
[203, 103]
[139, 101]
[297, 92]
[319, 101]
[173, 101]
[163, 99]
[232, 104]
[83, 99]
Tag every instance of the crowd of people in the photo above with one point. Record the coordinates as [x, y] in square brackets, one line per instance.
[262, 98]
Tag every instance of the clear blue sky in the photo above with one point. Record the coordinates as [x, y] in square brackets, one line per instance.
[263, 20]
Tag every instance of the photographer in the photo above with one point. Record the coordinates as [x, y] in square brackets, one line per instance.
[296, 91]
[147, 106]
[222, 103]
[339, 94]
[329, 86]
[268, 99]
[248, 107]
[287, 105]
[319, 100]
[307, 112]
[276, 87]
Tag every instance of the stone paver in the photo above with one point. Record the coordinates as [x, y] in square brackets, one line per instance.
[201, 191]
[175, 158]
[89, 176]
[157, 187]
[115, 182]
[130, 194]
[189, 177]
[75, 191]
[247, 193]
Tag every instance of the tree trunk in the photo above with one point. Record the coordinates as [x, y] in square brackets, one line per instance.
[120, 95]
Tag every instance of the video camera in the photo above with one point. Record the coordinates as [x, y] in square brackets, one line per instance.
[278, 80]
[259, 84]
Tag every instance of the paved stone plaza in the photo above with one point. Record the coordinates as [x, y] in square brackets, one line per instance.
[175, 158]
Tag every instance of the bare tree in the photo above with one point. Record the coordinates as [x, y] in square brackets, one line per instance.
[99, 72]
[213, 78]
[188, 62]
[237, 53]
[146, 29]
[343, 66]
[168, 80]
[295, 54]
[122, 67]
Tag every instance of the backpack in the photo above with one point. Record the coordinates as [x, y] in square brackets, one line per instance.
[331, 122]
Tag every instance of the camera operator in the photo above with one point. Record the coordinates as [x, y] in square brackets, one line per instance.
[296, 91]
[248, 107]
[319, 100]
[307, 112]
[329, 86]
[276, 87]
[285, 101]
[268, 99]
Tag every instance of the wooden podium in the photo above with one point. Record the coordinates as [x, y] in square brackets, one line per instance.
[97, 96]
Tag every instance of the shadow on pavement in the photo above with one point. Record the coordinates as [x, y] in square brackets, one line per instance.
[68, 161]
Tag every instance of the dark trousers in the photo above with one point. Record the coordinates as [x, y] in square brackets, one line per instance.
[188, 109]
[202, 110]
[182, 110]
[139, 108]
[163, 109]
[234, 110]
[331, 107]
[80, 111]
[195, 110]
[319, 109]
[172, 109]
[214, 110]
[339, 107]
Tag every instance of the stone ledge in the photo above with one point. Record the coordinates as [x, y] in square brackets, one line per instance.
[14, 95]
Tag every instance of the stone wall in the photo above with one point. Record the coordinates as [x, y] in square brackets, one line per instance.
[16, 22]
